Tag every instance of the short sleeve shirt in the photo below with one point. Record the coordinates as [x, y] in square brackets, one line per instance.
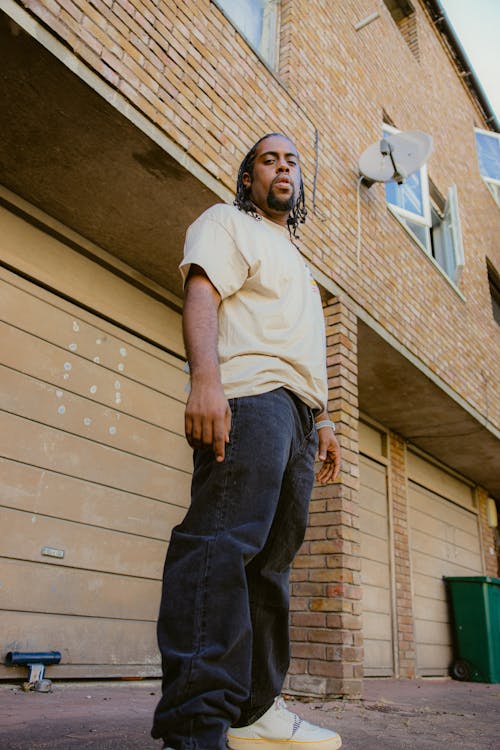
[271, 324]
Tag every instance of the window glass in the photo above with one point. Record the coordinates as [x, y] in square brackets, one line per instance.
[257, 21]
[420, 231]
[407, 196]
[488, 152]
[410, 198]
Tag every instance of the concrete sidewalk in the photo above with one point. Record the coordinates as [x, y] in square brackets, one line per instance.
[393, 715]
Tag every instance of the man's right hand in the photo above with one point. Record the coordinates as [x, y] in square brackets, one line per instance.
[208, 417]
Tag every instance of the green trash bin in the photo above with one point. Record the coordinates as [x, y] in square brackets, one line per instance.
[475, 604]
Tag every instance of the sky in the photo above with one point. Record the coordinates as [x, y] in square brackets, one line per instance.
[477, 25]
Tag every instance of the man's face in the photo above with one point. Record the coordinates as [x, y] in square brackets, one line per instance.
[275, 180]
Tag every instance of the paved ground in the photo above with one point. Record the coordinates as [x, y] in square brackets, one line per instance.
[393, 715]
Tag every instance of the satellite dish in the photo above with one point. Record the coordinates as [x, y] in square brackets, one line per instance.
[395, 157]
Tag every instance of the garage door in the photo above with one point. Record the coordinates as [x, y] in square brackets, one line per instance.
[375, 568]
[444, 541]
[94, 472]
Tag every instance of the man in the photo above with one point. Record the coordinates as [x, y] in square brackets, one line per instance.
[254, 335]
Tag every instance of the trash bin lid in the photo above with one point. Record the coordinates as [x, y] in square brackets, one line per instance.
[473, 579]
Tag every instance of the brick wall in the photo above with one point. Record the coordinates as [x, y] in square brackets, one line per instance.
[402, 568]
[488, 536]
[326, 587]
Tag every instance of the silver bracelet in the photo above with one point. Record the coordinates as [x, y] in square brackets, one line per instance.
[325, 423]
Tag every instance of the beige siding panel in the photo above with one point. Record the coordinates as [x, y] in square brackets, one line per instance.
[441, 482]
[437, 608]
[380, 652]
[45, 492]
[37, 358]
[69, 591]
[375, 568]
[37, 400]
[444, 542]
[48, 448]
[111, 639]
[57, 265]
[371, 441]
[35, 311]
[86, 547]
[376, 600]
[430, 551]
[93, 465]
[377, 624]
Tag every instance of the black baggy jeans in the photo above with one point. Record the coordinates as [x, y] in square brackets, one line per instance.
[223, 628]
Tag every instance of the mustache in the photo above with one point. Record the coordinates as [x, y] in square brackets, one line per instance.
[282, 178]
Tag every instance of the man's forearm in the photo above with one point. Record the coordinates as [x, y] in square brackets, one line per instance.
[200, 327]
[207, 416]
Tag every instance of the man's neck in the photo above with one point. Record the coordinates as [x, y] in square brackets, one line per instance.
[278, 217]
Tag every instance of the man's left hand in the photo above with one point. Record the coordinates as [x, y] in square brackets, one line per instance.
[329, 453]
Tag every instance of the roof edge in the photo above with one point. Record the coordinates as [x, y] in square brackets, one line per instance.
[462, 62]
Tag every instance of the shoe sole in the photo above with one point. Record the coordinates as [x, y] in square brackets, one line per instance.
[253, 743]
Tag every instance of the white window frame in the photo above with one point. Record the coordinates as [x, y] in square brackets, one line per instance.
[407, 217]
[447, 238]
[492, 183]
[441, 229]
[267, 46]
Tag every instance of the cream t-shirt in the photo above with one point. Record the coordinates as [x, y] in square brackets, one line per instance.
[271, 324]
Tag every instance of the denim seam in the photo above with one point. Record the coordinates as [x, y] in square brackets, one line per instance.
[202, 605]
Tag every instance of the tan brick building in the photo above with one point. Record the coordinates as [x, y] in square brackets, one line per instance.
[121, 121]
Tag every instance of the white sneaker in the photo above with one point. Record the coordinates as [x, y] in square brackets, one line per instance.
[280, 729]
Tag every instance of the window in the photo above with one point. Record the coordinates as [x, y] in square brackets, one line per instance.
[403, 14]
[258, 22]
[446, 236]
[488, 154]
[431, 220]
[494, 284]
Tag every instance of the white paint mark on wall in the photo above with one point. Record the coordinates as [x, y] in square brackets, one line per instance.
[76, 327]
[98, 341]
[121, 366]
[59, 393]
[117, 385]
[67, 366]
[112, 430]
[73, 347]
[87, 421]
[118, 398]
[65, 376]
[93, 389]
[97, 360]
[61, 409]
[123, 351]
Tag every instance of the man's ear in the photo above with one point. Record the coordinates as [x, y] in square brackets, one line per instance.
[246, 179]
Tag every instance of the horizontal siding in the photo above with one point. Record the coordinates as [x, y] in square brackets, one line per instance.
[48, 448]
[444, 541]
[93, 463]
[375, 569]
[40, 491]
[83, 418]
[111, 639]
[69, 591]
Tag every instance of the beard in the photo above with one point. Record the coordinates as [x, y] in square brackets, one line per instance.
[280, 204]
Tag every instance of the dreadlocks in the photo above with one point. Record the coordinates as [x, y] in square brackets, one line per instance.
[242, 201]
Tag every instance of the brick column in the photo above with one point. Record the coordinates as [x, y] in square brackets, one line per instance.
[327, 654]
[404, 607]
[488, 535]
